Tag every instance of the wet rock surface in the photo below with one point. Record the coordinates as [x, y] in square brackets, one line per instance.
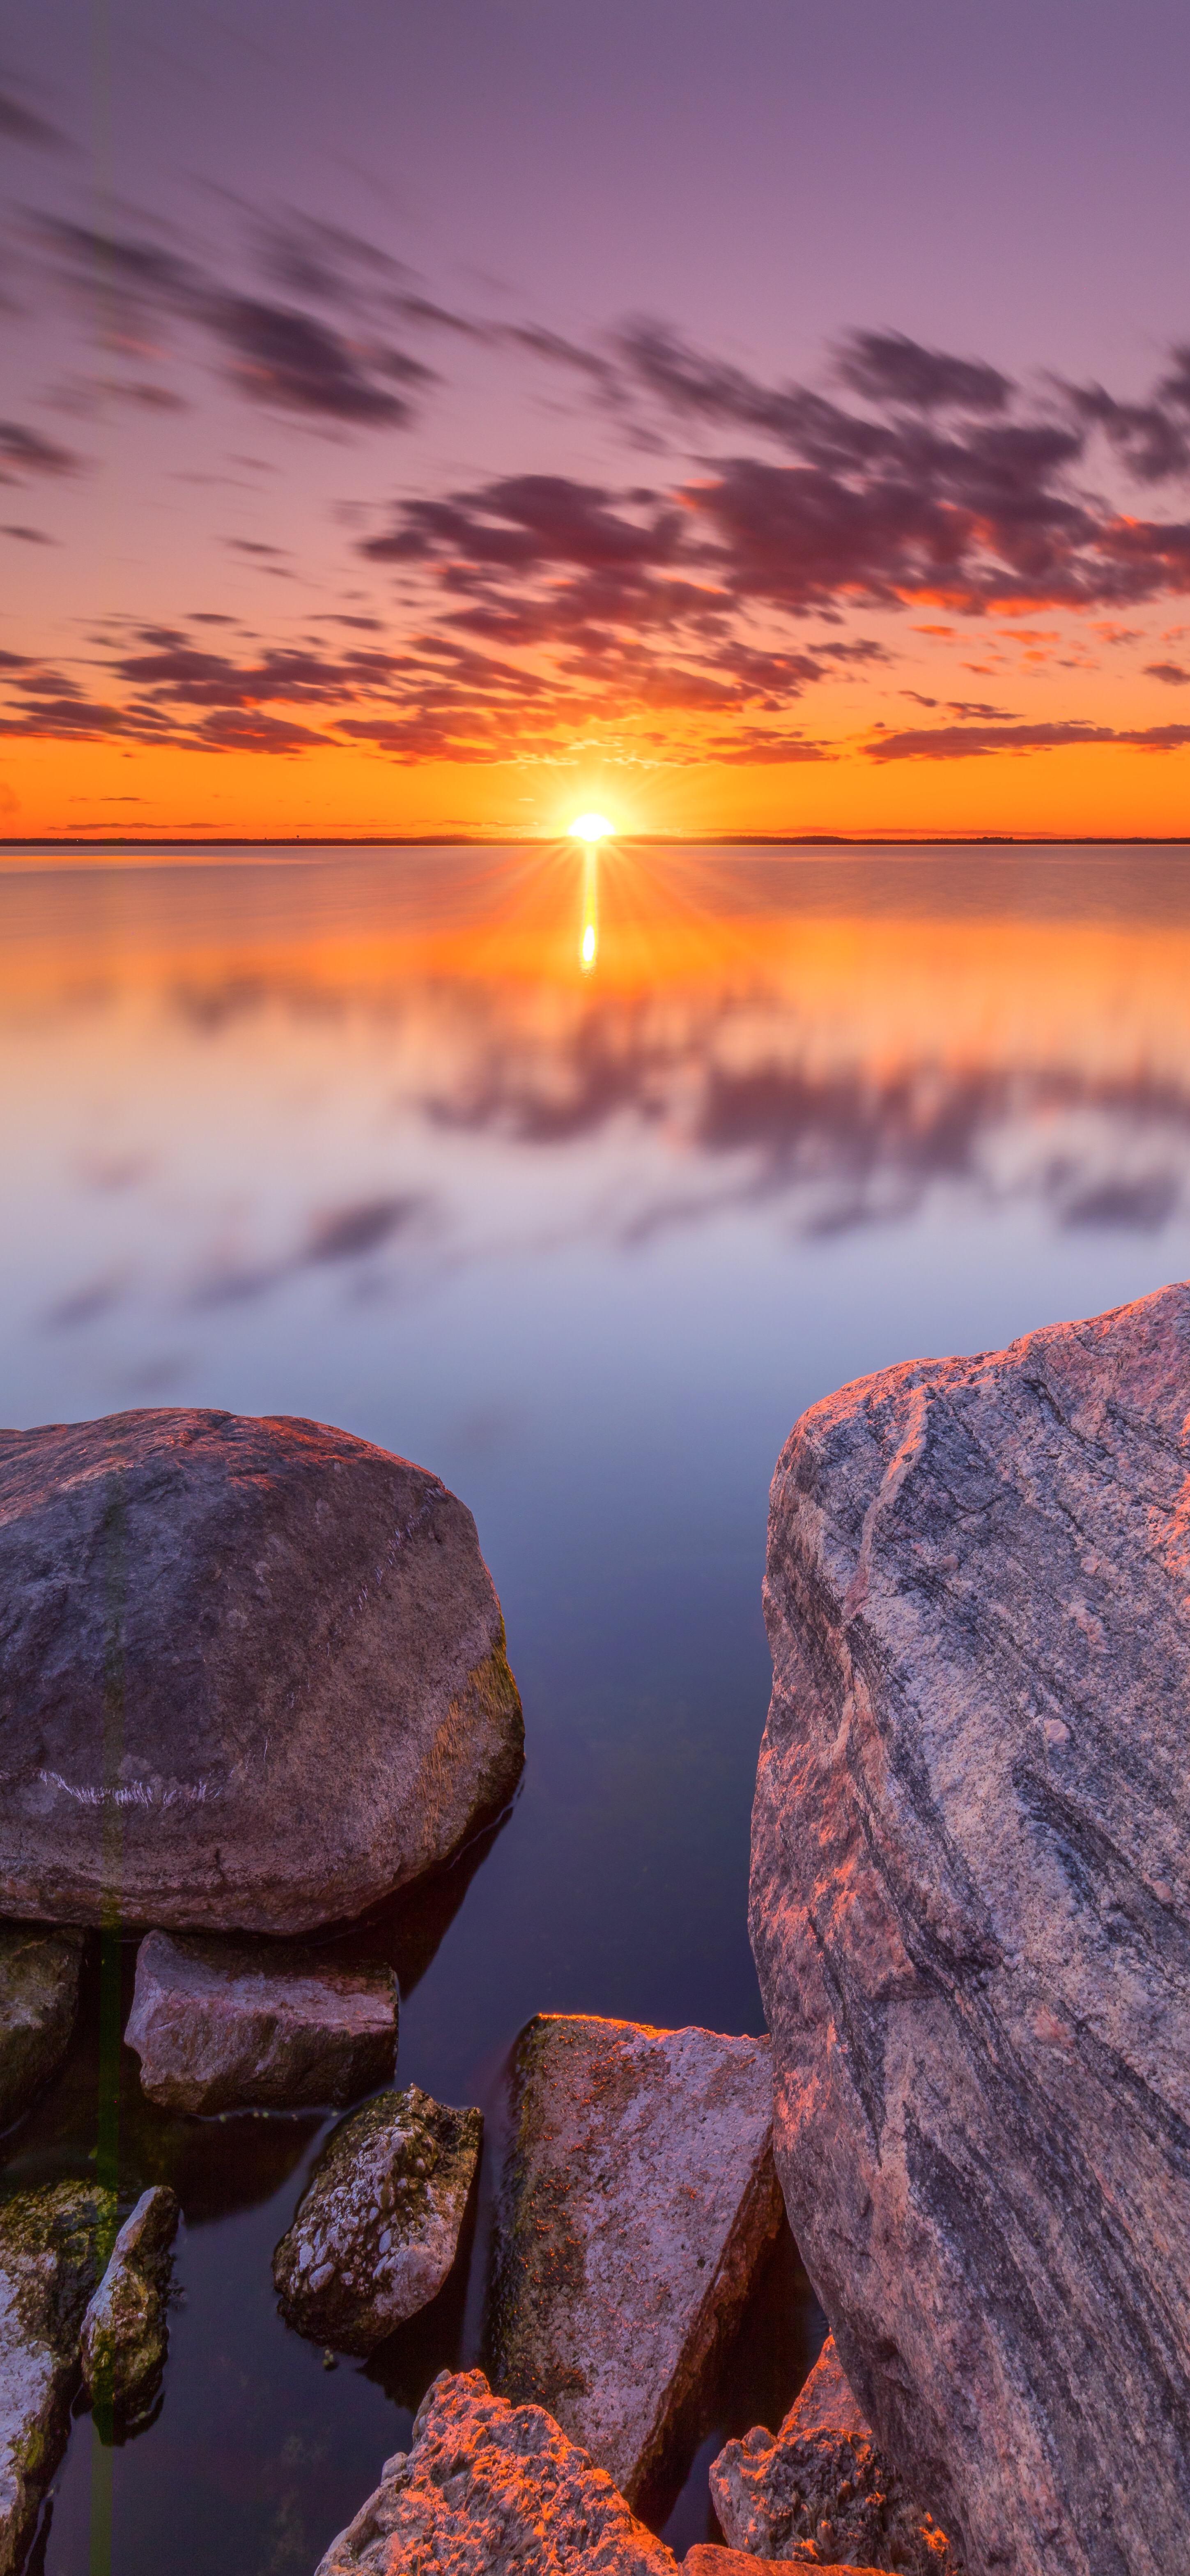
[971, 1918]
[125, 2329]
[378, 2229]
[637, 2200]
[39, 1991]
[488, 2487]
[52, 2246]
[253, 1673]
[238, 2025]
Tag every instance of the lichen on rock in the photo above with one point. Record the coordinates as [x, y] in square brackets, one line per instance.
[125, 2332]
[52, 2246]
[377, 2230]
[637, 2200]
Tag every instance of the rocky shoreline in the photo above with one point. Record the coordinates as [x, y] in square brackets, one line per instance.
[970, 1915]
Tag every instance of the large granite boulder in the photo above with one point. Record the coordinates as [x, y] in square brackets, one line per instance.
[230, 2025]
[971, 1918]
[252, 1673]
[39, 1993]
[377, 2230]
[125, 2331]
[487, 2488]
[636, 2201]
[52, 2246]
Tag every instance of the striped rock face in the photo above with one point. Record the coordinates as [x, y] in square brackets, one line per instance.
[252, 1673]
[971, 1919]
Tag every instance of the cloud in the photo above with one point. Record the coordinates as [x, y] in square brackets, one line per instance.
[1171, 672]
[274, 354]
[885, 367]
[19, 124]
[286, 358]
[27, 451]
[975, 741]
[28, 536]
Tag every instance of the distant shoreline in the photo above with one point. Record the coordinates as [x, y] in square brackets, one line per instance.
[39, 846]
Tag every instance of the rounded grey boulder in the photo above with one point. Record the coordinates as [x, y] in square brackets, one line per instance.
[252, 1673]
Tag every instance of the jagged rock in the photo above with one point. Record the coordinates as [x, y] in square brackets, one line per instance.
[707, 2560]
[236, 2025]
[125, 2331]
[824, 2402]
[971, 1918]
[489, 2487]
[252, 1673]
[823, 2496]
[52, 2244]
[637, 2199]
[39, 1992]
[378, 2228]
[821, 2488]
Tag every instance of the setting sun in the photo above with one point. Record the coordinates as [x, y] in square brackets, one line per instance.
[591, 827]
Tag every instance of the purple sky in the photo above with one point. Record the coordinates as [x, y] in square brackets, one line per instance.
[511, 183]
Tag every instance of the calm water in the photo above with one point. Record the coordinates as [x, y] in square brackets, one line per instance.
[353, 1136]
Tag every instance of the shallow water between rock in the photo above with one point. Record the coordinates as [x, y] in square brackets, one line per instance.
[353, 1136]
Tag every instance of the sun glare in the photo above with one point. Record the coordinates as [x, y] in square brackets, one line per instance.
[590, 827]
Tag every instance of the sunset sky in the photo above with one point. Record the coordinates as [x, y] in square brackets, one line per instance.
[741, 415]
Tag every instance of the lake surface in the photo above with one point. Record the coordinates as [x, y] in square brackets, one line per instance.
[354, 1136]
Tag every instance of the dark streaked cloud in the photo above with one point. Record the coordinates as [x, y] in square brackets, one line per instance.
[973, 741]
[886, 367]
[1171, 672]
[19, 124]
[25, 451]
[275, 354]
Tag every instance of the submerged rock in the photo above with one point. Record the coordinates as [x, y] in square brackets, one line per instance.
[637, 2199]
[124, 2334]
[378, 2229]
[39, 1992]
[489, 2487]
[252, 1674]
[52, 2245]
[236, 2026]
[971, 1918]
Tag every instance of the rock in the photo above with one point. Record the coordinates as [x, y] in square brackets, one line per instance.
[237, 2026]
[637, 2199]
[487, 2488]
[706, 2560]
[378, 2229]
[821, 2488]
[825, 2496]
[971, 1918]
[824, 2403]
[125, 2332]
[252, 1673]
[51, 2250]
[39, 1992]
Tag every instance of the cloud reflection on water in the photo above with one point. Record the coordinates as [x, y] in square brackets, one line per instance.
[351, 1077]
